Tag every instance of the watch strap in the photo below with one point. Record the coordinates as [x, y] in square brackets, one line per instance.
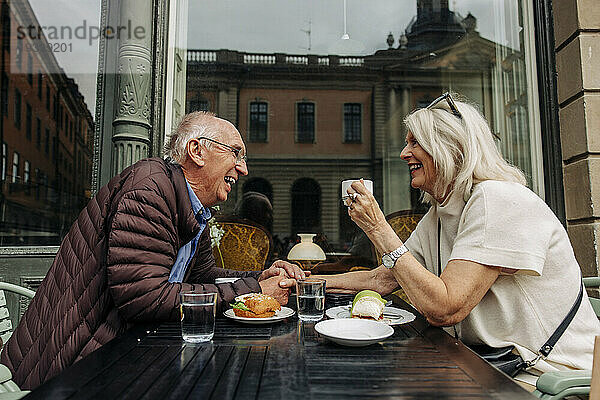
[396, 254]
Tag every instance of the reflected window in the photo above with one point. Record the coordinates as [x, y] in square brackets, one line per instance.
[40, 87]
[352, 123]
[4, 95]
[37, 183]
[47, 97]
[305, 122]
[29, 69]
[4, 158]
[199, 103]
[306, 206]
[26, 172]
[38, 133]
[259, 185]
[15, 168]
[18, 108]
[257, 131]
[19, 54]
[363, 86]
[28, 122]
[46, 86]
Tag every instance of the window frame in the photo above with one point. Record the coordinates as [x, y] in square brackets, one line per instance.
[252, 139]
[4, 165]
[15, 167]
[360, 123]
[29, 69]
[28, 121]
[18, 104]
[297, 121]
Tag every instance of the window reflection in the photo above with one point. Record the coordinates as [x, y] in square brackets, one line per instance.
[317, 104]
[46, 127]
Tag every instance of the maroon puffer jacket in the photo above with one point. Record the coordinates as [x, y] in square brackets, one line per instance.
[112, 269]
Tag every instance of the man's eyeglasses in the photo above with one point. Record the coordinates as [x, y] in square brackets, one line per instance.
[237, 152]
[448, 97]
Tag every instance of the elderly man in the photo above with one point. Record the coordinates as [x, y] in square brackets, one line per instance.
[139, 243]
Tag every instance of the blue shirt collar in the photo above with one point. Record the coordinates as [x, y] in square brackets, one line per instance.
[200, 212]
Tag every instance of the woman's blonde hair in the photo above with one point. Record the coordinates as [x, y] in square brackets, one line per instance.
[463, 149]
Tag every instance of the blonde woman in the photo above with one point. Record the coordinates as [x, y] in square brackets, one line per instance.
[489, 259]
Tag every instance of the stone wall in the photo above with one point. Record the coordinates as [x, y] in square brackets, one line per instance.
[577, 44]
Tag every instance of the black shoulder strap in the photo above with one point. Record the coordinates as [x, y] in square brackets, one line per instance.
[439, 260]
[549, 345]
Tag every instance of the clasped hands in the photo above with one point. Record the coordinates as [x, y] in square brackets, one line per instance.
[279, 278]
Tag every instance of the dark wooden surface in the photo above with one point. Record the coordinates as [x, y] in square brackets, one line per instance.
[285, 360]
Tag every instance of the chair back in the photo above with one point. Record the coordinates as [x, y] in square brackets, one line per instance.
[244, 246]
[595, 382]
[6, 326]
[593, 282]
[403, 223]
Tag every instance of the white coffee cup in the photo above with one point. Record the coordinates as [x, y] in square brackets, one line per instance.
[346, 184]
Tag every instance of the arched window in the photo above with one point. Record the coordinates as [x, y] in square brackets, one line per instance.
[306, 206]
[259, 185]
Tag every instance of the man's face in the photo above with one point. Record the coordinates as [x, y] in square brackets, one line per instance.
[220, 170]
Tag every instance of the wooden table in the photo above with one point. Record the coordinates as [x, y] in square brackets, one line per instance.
[285, 360]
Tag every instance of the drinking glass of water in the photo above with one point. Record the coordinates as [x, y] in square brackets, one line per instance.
[310, 295]
[198, 312]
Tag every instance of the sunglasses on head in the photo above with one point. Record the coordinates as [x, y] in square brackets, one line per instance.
[453, 109]
[448, 97]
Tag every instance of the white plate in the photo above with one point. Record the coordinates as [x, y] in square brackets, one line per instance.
[391, 315]
[279, 315]
[354, 332]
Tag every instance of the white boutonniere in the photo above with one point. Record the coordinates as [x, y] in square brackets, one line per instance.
[216, 233]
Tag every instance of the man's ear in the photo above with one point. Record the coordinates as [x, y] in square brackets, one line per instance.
[195, 152]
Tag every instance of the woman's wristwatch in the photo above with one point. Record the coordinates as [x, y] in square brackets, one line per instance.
[389, 259]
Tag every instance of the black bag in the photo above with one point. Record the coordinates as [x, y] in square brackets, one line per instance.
[511, 363]
[502, 358]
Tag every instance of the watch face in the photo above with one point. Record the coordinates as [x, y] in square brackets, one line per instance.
[387, 261]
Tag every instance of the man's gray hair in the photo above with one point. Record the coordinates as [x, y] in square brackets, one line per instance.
[463, 150]
[193, 125]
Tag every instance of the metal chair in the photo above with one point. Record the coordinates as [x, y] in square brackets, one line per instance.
[559, 384]
[244, 246]
[8, 389]
[403, 223]
[6, 327]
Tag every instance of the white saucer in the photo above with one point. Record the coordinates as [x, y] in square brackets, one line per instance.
[279, 315]
[391, 315]
[354, 332]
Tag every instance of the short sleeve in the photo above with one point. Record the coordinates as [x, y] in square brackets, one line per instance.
[503, 225]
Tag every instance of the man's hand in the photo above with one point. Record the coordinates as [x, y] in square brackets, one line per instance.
[291, 271]
[277, 287]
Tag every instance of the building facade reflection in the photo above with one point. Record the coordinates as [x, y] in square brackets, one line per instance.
[310, 121]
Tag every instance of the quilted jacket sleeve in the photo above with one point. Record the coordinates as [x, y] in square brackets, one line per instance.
[205, 270]
[142, 243]
[142, 247]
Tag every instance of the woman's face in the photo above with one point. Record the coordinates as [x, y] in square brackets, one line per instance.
[422, 168]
